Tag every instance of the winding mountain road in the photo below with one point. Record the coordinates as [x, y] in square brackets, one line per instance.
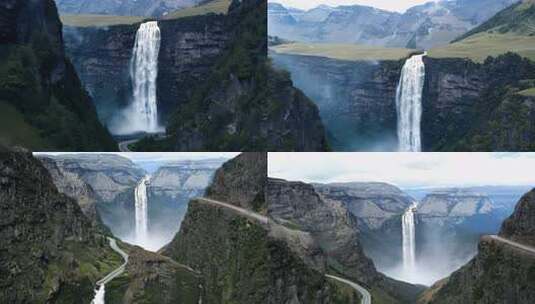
[250, 214]
[123, 145]
[117, 272]
[366, 296]
[522, 247]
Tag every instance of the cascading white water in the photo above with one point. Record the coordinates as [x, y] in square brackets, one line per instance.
[409, 239]
[144, 72]
[141, 207]
[99, 295]
[409, 104]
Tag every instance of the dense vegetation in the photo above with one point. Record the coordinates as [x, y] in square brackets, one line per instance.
[502, 118]
[40, 87]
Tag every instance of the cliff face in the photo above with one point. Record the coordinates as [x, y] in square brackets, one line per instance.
[74, 187]
[234, 251]
[231, 249]
[498, 273]
[297, 204]
[469, 106]
[51, 252]
[378, 208]
[241, 181]
[112, 179]
[189, 48]
[298, 207]
[356, 100]
[521, 225]
[40, 85]
[453, 205]
[240, 107]
[171, 188]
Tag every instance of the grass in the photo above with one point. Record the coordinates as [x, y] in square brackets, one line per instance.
[212, 7]
[15, 129]
[98, 20]
[482, 45]
[528, 92]
[348, 52]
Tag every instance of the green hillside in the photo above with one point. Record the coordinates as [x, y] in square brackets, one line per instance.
[210, 7]
[349, 52]
[511, 30]
[98, 20]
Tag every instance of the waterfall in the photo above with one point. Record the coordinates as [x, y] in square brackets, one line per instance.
[99, 295]
[144, 72]
[409, 104]
[140, 196]
[409, 239]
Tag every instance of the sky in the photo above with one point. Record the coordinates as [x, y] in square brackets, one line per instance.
[407, 170]
[163, 157]
[390, 5]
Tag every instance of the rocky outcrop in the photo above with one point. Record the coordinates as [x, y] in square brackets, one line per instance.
[50, 251]
[178, 178]
[474, 107]
[153, 278]
[231, 250]
[520, 226]
[378, 208]
[453, 205]
[498, 273]
[241, 181]
[73, 186]
[372, 203]
[298, 205]
[112, 179]
[39, 82]
[356, 100]
[243, 106]
[108, 174]
[334, 229]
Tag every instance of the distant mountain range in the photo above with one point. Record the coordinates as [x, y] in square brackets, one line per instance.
[147, 8]
[423, 26]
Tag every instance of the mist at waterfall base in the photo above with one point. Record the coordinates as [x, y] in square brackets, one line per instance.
[438, 254]
[148, 231]
[141, 114]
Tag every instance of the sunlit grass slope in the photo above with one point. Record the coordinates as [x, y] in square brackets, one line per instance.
[511, 30]
[482, 45]
[98, 20]
[349, 52]
[215, 7]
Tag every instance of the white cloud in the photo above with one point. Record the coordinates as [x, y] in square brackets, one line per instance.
[390, 5]
[406, 169]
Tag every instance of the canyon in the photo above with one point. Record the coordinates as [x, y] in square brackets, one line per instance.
[109, 188]
[357, 101]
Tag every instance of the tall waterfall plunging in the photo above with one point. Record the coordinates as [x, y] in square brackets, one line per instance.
[409, 239]
[409, 104]
[99, 295]
[144, 72]
[140, 196]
